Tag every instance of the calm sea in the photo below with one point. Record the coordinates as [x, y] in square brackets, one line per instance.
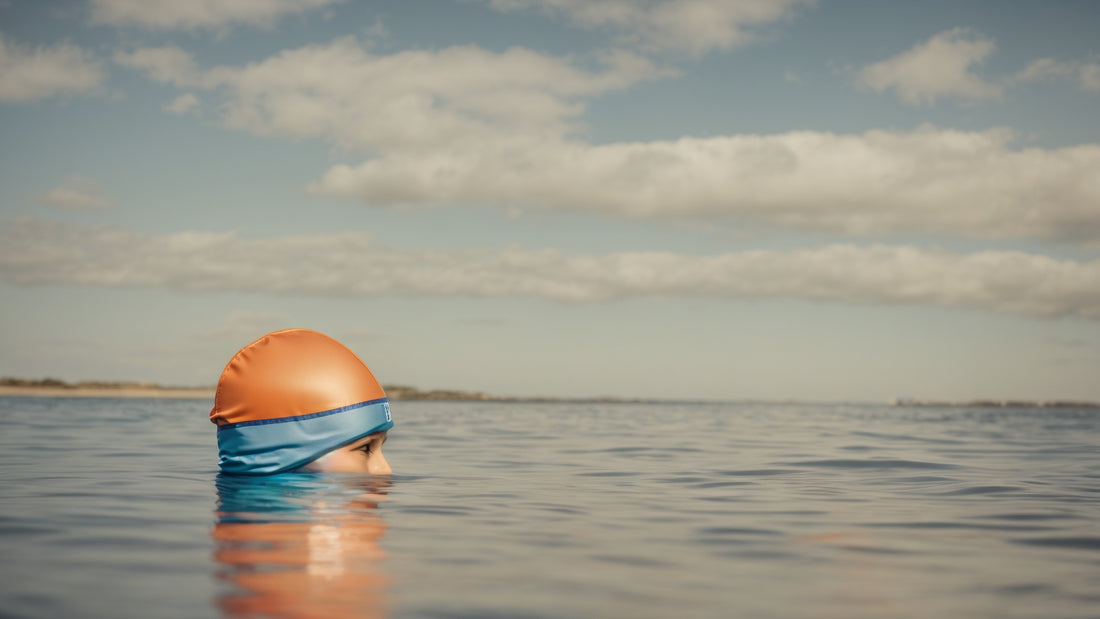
[113, 508]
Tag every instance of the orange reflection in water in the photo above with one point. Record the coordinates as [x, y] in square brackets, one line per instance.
[324, 567]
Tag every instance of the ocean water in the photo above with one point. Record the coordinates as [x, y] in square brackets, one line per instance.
[113, 508]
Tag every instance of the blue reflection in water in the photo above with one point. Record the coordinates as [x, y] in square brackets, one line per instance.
[300, 545]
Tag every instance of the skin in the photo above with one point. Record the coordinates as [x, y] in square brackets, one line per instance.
[362, 456]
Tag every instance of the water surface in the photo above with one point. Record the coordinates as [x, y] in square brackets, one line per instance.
[113, 508]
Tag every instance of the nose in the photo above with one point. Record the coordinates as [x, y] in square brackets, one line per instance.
[378, 464]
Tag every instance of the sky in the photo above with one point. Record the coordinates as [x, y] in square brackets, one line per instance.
[682, 199]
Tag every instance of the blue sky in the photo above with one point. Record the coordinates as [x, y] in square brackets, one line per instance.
[657, 198]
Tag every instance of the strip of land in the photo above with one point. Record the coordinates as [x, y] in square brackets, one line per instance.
[997, 404]
[53, 388]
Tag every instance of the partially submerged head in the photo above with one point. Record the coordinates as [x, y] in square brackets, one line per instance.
[298, 399]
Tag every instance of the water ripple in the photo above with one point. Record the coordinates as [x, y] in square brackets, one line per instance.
[1074, 543]
[745, 509]
[877, 464]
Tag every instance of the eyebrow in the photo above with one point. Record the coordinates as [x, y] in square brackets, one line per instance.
[371, 437]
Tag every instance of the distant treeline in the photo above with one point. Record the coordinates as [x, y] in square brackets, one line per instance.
[394, 392]
[999, 403]
[405, 392]
[53, 383]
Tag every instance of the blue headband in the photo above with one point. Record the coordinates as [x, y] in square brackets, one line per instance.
[266, 446]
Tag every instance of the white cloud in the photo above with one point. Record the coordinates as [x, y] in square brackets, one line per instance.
[194, 14]
[183, 104]
[940, 67]
[468, 126]
[947, 182]
[31, 74]
[1085, 75]
[76, 193]
[694, 26]
[39, 252]
[412, 99]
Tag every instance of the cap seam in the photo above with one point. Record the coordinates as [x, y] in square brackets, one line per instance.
[325, 413]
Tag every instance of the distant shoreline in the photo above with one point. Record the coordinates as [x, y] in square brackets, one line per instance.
[107, 392]
[208, 393]
[53, 388]
[994, 404]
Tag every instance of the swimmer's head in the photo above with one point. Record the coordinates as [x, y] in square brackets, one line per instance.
[298, 399]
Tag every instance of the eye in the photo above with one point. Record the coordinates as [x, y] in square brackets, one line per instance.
[367, 448]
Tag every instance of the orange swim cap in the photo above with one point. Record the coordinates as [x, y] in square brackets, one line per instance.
[290, 397]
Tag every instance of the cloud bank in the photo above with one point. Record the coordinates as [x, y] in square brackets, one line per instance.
[465, 125]
[31, 74]
[408, 100]
[692, 26]
[969, 184]
[41, 252]
[195, 14]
